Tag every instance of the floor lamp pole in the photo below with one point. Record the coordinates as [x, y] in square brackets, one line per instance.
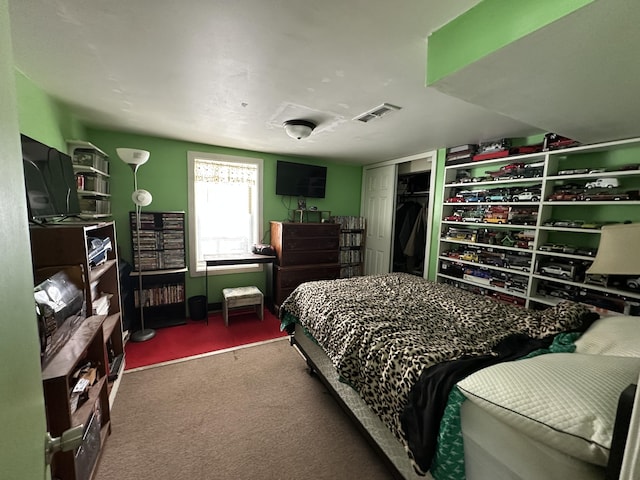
[143, 334]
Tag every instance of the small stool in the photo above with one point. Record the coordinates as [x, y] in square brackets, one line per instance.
[241, 297]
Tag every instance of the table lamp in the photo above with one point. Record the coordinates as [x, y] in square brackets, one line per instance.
[618, 250]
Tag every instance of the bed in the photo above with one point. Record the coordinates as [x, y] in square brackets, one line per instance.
[416, 364]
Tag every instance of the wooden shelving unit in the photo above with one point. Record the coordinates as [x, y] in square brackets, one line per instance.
[97, 341]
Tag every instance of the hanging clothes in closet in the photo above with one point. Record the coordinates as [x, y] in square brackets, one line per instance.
[406, 216]
[411, 224]
[414, 250]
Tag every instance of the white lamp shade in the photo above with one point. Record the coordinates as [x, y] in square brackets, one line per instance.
[618, 250]
[141, 197]
[133, 156]
[299, 129]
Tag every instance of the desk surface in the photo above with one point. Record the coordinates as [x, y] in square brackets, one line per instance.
[240, 259]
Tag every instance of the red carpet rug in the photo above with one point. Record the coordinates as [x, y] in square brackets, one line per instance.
[196, 337]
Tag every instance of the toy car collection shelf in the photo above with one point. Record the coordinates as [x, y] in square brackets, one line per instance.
[517, 228]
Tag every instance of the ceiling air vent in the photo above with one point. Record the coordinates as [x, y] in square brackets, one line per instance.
[376, 112]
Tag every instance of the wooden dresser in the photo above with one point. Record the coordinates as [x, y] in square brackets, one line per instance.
[305, 252]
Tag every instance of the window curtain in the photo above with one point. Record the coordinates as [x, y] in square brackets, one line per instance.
[226, 203]
[225, 173]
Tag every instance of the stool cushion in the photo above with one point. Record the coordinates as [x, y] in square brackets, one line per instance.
[241, 292]
[242, 297]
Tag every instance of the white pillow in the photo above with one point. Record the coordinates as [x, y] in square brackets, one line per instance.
[614, 335]
[565, 400]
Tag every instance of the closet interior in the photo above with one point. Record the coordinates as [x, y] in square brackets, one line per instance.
[411, 220]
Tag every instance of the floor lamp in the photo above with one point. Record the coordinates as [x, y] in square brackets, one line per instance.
[141, 198]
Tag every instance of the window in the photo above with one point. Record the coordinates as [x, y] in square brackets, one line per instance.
[225, 207]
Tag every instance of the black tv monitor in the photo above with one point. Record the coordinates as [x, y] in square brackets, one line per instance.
[300, 180]
[49, 180]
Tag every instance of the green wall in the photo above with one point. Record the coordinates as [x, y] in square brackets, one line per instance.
[43, 118]
[487, 27]
[165, 176]
[22, 416]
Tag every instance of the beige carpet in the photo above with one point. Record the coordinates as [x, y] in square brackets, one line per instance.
[252, 413]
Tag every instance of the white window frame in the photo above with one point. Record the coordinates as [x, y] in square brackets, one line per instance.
[198, 269]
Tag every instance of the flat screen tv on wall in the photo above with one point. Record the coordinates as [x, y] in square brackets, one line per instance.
[49, 180]
[300, 180]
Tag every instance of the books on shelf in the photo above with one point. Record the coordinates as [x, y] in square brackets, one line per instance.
[162, 295]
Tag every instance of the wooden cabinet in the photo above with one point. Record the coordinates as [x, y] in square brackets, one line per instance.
[525, 228]
[305, 252]
[96, 343]
[163, 266]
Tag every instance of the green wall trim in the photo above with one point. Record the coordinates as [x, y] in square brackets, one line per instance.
[487, 27]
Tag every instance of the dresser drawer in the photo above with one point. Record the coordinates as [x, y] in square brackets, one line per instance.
[291, 277]
[287, 279]
[305, 252]
[291, 231]
[310, 243]
[305, 243]
[304, 257]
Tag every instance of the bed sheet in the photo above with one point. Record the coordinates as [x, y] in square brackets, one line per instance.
[381, 331]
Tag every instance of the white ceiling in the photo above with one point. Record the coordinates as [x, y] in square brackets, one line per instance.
[229, 73]
[578, 76]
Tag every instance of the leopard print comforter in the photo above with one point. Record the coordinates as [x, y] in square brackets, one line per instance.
[381, 331]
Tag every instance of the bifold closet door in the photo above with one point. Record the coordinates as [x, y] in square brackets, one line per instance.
[377, 207]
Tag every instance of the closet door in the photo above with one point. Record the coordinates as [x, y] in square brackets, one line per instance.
[378, 204]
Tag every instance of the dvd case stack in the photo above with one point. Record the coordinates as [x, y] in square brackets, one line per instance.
[352, 238]
[162, 244]
[348, 222]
